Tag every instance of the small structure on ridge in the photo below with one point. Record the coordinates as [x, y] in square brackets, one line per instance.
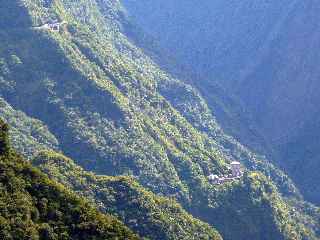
[52, 26]
[236, 169]
[236, 173]
[213, 179]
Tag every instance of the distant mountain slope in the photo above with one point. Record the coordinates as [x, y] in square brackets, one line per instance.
[150, 216]
[288, 111]
[114, 111]
[34, 207]
[261, 52]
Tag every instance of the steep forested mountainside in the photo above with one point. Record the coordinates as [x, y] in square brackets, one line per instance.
[186, 34]
[146, 214]
[114, 111]
[34, 207]
[263, 54]
[28, 136]
[149, 215]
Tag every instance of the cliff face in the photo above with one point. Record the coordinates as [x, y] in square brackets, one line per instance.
[263, 54]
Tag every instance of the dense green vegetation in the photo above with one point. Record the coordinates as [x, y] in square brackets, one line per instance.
[160, 218]
[28, 135]
[263, 56]
[34, 207]
[256, 196]
[114, 111]
[143, 212]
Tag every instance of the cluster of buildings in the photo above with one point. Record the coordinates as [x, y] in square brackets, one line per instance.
[236, 173]
[54, 26]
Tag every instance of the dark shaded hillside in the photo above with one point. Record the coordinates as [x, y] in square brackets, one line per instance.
[290, 93]
[263, 53]
[204, 36]
[114, 111]
[13, 15]
[195, 35]
[33, 207]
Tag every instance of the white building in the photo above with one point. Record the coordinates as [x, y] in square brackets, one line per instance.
[55, 27]
[213, 178]
[236, 169]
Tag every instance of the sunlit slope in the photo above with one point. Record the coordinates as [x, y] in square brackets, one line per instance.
[150, 216]
[116, 112]
[34, 207]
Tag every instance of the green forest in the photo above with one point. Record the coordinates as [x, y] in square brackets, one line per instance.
[105, 143]
[35, 207]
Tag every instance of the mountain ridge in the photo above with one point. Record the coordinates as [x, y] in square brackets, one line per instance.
[111, 109]
[262, 53]
[34, 207]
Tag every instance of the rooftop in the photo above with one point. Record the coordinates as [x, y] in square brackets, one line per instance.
[235, 163]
